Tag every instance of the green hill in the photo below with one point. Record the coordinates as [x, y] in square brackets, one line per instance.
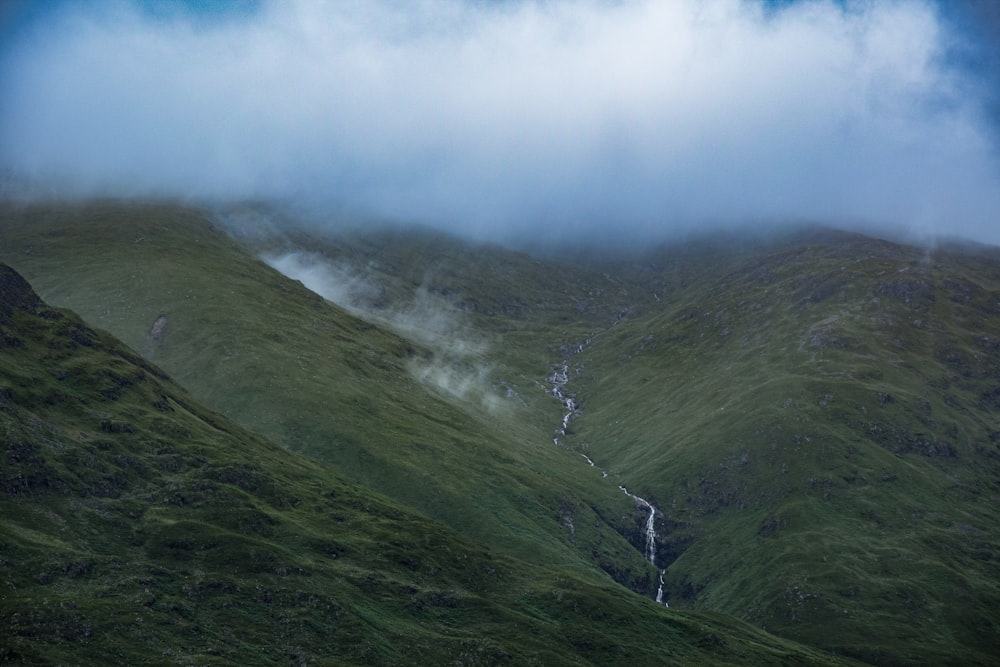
[140, 528]
[817, 417]
[813, 413]
[284, 363]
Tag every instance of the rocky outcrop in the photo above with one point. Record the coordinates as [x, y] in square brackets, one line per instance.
[15, 294]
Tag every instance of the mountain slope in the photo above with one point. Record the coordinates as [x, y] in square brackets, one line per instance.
[267, 352]
[812, 413]
[818, 422]
[139, 528]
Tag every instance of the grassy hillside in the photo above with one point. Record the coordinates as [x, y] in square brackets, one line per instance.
[283, 362]
[140, 528]
[814, 413]
[818, 420]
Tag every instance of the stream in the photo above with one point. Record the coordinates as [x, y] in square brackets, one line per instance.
[559, 379]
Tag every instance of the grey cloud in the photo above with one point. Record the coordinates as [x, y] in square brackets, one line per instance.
[500, 120]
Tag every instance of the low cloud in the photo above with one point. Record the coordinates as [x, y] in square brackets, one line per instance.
[338, 282]
[454, 365]
[520, 120]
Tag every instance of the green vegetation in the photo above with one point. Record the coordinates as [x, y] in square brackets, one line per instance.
[139, 528]
[275, 357]
[817, 420]
[814, 413]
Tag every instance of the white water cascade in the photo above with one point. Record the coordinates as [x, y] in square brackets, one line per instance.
[650, 538]
[559, 379]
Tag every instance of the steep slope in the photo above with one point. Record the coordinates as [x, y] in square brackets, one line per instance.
[817, 419]
[136, 527]
[274, 356]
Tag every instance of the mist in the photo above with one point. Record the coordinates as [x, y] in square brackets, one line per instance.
[454, 364]
[518, 121]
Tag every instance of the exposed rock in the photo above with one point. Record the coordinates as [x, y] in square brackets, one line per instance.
[913, 292]
[15, 294]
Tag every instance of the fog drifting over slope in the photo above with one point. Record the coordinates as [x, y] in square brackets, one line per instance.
[454, 365]
[506, 119]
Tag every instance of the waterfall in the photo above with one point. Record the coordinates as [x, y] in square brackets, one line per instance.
[559, 379]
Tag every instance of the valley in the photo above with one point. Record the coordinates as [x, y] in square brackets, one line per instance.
[140, 528]
[792, 439]
[559, 380]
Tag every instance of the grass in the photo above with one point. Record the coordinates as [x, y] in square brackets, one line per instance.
[817, 419]
[815, 412]
[284, 363]
[137, 527]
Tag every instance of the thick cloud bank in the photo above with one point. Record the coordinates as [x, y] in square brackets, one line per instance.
[552, 118]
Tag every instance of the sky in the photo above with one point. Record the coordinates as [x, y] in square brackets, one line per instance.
[518, 119]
